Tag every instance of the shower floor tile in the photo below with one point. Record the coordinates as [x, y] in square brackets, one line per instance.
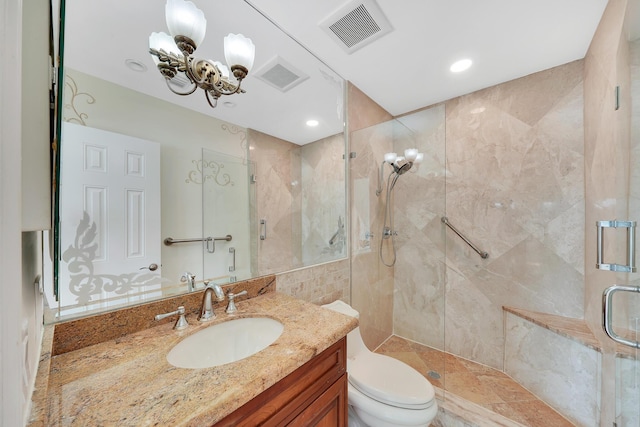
[480, 384]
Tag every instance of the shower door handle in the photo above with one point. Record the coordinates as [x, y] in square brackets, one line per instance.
[607, 315]
[263, 227]
[233, 263]
[630, 267]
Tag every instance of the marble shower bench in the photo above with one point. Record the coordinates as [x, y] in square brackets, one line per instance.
[560, 360]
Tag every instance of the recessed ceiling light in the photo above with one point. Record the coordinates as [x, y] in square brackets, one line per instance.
[229, 104]
[312, 123]
[460, 66]
[135, 65]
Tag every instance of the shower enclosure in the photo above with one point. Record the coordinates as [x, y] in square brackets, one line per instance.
[515, 169]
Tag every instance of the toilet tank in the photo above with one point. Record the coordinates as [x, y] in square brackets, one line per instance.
[342, 307]
[355, 344]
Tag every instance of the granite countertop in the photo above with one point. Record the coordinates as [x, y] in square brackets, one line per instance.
[128, 382]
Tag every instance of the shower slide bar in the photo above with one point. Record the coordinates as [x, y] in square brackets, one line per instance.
[211, 241]
[483, 254]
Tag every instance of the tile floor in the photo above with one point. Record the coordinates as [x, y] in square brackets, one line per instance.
[485, 386]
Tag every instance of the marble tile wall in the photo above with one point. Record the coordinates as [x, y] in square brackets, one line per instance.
[514, 164]
[320, 284]
[627, 380]
[323, 202]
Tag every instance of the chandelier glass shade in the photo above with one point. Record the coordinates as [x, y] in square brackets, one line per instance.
[172, 54]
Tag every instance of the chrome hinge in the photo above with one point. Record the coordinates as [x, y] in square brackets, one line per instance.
[352, 155]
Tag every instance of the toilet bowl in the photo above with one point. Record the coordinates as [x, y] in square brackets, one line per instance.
[383, 391]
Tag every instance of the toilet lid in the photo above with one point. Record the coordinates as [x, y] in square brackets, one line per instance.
[390, 381]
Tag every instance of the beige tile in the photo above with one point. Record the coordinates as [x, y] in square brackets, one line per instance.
[538, 414]
[469, 387]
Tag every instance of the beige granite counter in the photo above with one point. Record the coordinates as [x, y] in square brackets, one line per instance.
[127, 381]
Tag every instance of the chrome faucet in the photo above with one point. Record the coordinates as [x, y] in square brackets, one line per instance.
[206, 311]
[181, 323]
[231, 308]
[190, 279]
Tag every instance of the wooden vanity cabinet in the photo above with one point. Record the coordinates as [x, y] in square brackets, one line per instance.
[313, 395]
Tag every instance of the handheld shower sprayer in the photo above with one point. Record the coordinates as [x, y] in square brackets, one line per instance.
[400, 165]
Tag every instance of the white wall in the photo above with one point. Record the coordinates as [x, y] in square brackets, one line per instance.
[20, 319]
[10, 210]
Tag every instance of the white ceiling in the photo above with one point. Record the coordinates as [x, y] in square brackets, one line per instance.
[409, 68]
[404, 70]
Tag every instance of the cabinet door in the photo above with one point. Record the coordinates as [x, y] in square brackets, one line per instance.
[328, 410]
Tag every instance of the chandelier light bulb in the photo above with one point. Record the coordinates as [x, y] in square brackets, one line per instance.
[239, 51]
[419, 158]
[186, 20]
[390, 158]
[163, 41]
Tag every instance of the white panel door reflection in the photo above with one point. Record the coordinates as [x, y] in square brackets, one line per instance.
[109, 219]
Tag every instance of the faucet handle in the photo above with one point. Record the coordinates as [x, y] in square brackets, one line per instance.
[181, 323]
[231, 308]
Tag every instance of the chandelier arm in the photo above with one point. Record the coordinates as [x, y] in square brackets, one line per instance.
[189, 92]
[215, 99]
[187, 69]
[236, 89]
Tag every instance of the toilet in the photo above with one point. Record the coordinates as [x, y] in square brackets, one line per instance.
[383, 391]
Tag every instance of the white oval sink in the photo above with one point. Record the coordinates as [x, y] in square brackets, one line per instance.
[225, 342]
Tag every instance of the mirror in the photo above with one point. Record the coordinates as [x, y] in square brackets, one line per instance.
[155, 188]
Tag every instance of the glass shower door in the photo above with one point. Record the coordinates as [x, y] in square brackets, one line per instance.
[227, 191]
[398, 254]
[626, 316]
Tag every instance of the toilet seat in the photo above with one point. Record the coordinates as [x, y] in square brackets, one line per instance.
[390, 381]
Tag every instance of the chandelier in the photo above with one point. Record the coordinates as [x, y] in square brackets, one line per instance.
[172, 54]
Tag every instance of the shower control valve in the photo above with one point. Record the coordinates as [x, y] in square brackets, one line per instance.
[387, 232]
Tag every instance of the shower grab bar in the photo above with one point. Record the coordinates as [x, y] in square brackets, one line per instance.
[607, 315]
[483, 254]
[211, 241]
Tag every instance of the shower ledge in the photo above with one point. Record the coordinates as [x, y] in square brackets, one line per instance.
[568, 327]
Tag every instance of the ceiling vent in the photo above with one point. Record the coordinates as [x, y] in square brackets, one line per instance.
[356, 24]
[280, 74]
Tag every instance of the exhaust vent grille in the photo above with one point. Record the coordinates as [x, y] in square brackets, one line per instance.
[356, 24]
[355, 27]
[280, 74]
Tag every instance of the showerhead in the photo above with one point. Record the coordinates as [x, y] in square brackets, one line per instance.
[402, 168]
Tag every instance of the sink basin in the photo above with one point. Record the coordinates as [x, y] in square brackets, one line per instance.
[225, 342]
